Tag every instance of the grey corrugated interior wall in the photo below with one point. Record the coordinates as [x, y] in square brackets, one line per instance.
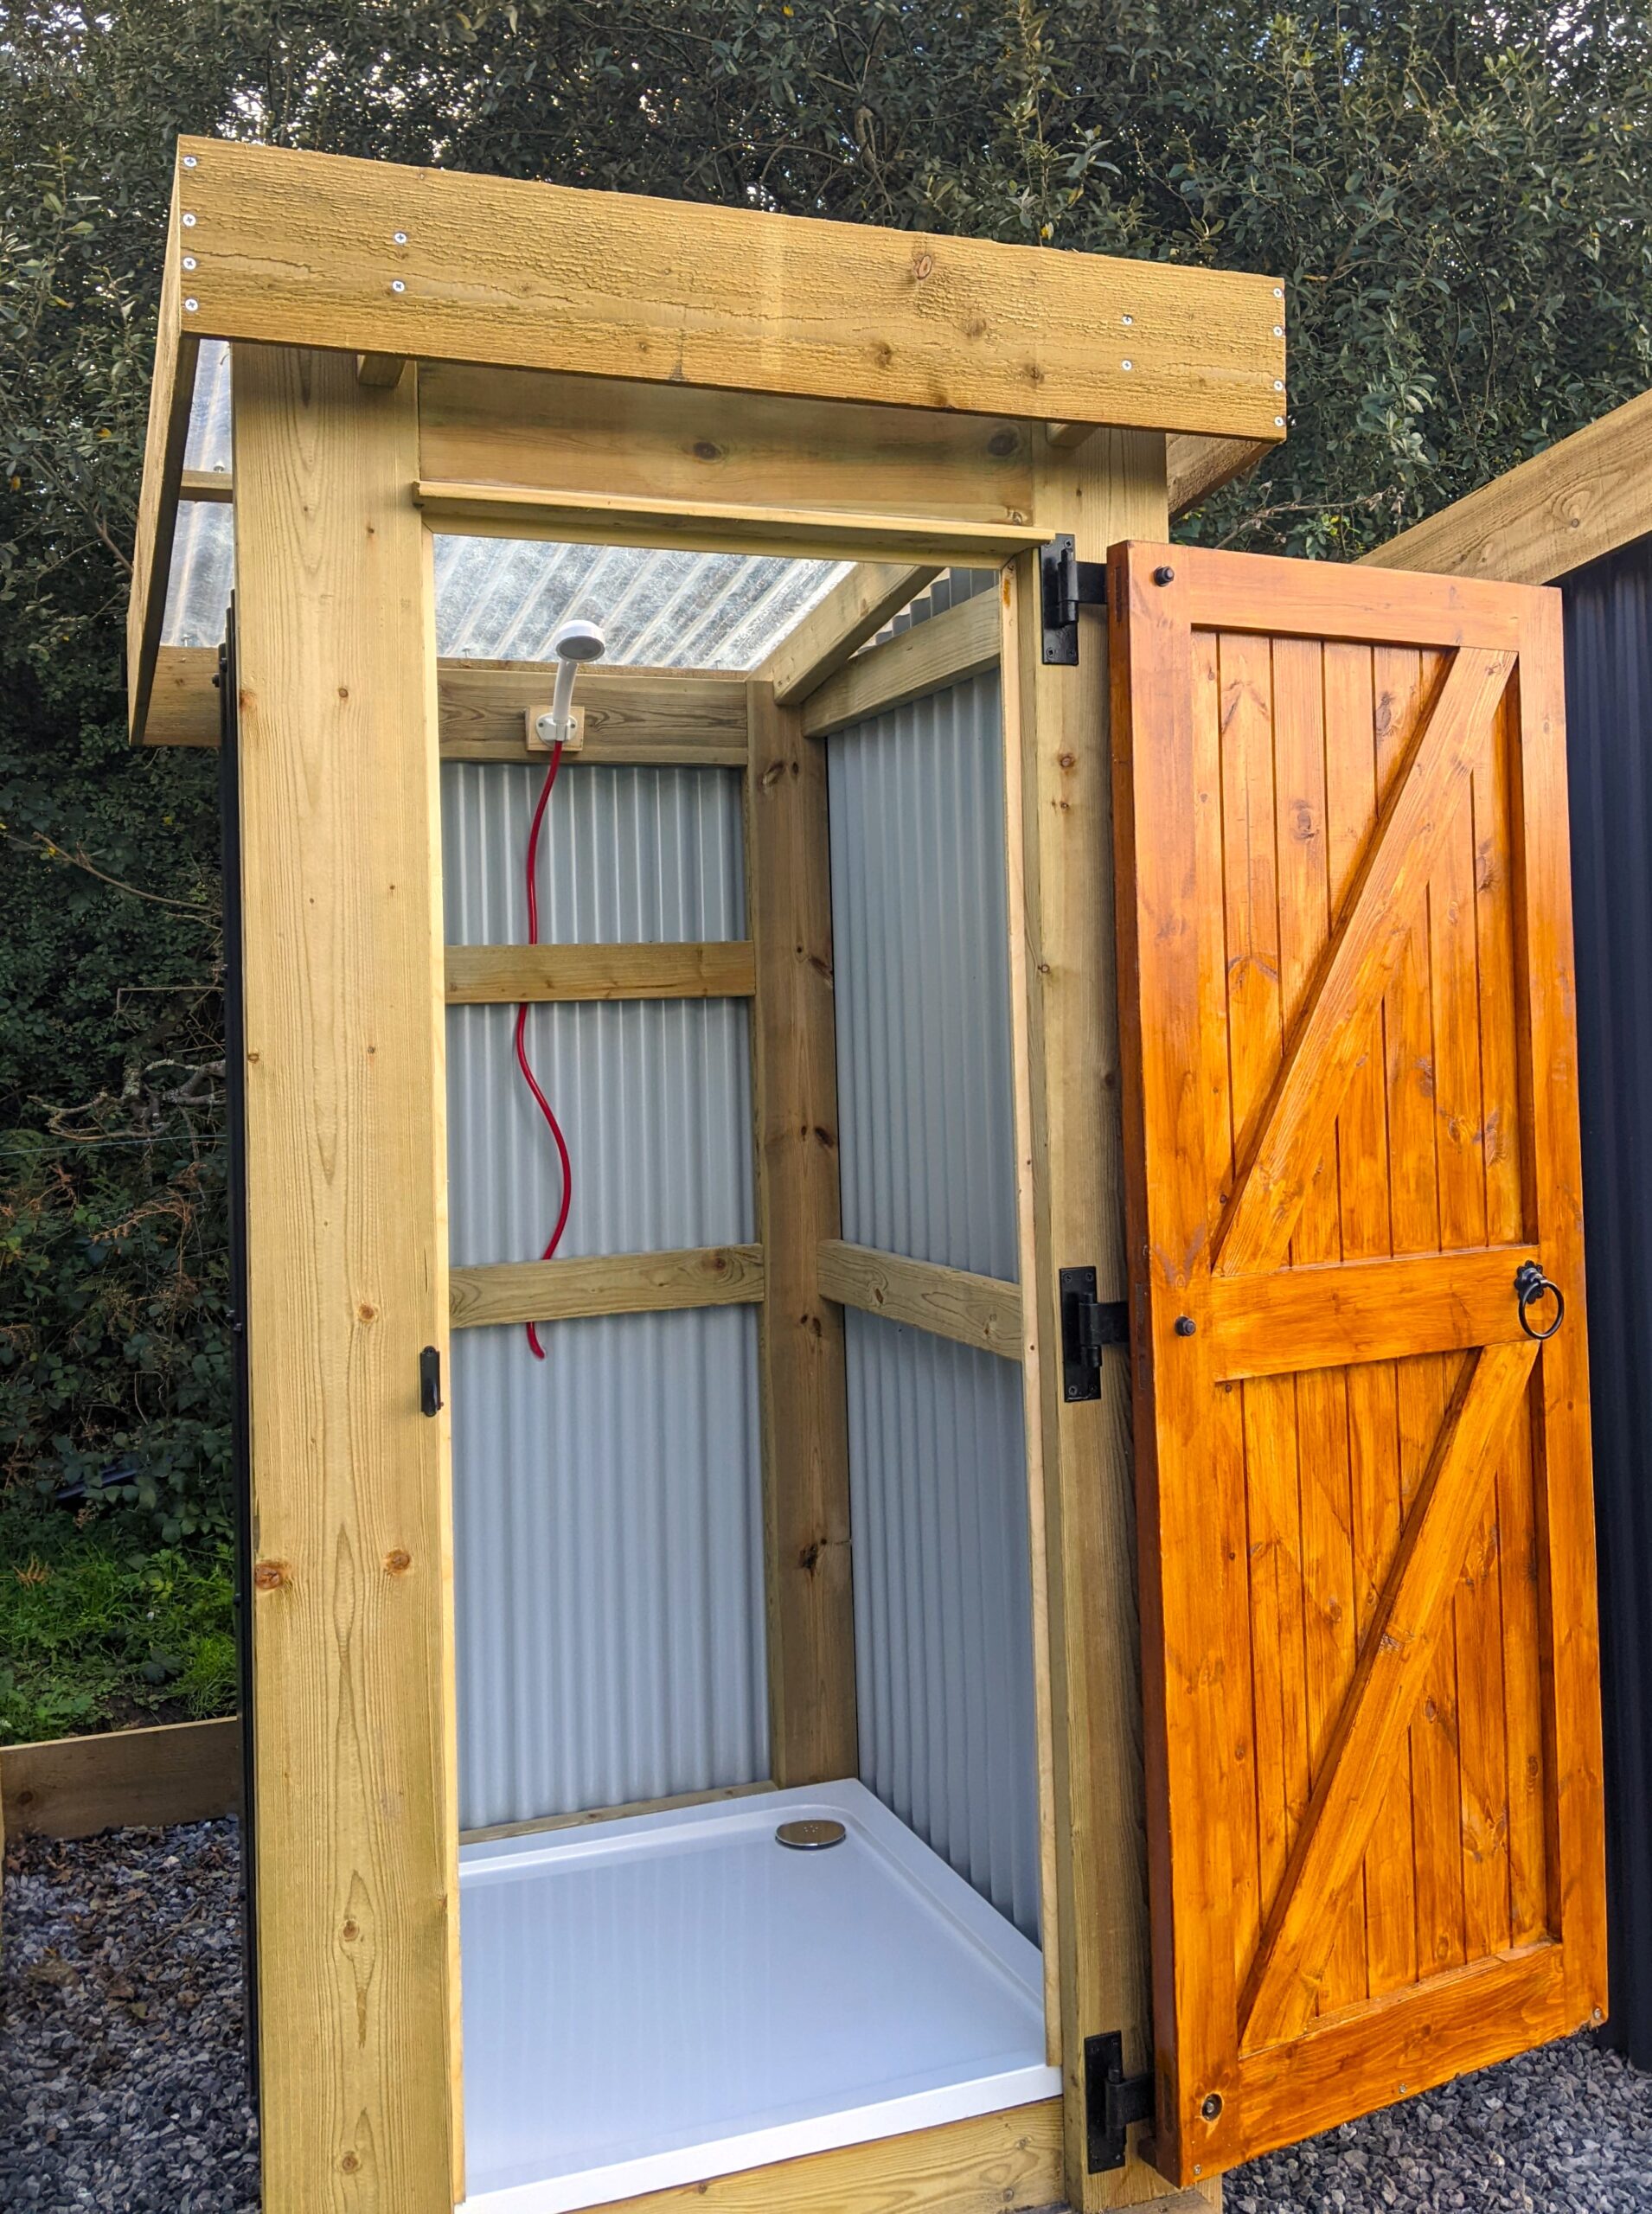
[944, 1652]
[1609, 743]
[606, 1500]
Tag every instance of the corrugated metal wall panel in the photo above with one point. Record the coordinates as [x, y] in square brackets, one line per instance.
[938, 1469]
[608, 1540]
[607, 1500]
[921, 957]
[943, 1611]
[1609, 720]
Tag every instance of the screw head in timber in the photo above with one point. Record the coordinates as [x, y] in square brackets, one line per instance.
[1186, 1326]
[1165, 576]
[1212, 2106]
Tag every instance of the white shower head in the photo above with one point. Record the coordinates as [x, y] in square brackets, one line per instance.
[577, 640]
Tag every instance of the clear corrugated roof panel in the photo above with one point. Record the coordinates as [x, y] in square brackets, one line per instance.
[500, 599]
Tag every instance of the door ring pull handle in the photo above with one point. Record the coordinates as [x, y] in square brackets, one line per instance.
[1530, 1286]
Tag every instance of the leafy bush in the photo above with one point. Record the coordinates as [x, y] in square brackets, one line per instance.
[114, 1342]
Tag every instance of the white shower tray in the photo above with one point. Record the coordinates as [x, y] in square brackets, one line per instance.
[659, 1999]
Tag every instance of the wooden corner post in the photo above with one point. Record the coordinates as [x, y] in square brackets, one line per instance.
[805, 1397]
[353, 1717]
[1056, 728]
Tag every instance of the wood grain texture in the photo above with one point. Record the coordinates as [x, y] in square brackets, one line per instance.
[484, 510]
[1569, 1653]
[854, 610]
[959, 643]
[974, 1310]
[213, 487]
[1357, 1747]
[800, 1345]
[1030, 1155]
[489, 973]
[351, 1614]
[1111, 486]
[171, 391]
[183, 707]
[991, 2164]
[1584, 497]
[1358, 960]
[1406, 1624]
[632, 716]
[296, 248]
[1196, 466]
[1276, 596]
[605, 1283]
[1366, 1310]
[122, 1779]
[580, 436]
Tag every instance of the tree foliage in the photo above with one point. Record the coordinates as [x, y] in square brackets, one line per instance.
[1454, 195]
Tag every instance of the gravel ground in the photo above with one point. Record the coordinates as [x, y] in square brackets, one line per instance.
[121, 2083]
[121, 2086]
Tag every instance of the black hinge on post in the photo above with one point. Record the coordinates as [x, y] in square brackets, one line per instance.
[1069, 584]
[1112, 2100]
[1087, 1325]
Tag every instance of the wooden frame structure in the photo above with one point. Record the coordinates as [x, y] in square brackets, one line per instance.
[415, 352]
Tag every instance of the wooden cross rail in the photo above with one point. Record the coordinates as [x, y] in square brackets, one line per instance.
[959, 643]
[606, 1283]
[983, 1312]
[682, 716]
[489, 974]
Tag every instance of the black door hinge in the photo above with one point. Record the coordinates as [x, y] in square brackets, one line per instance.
[430, 1381]
[1069, 584]
[1112, 2100]
[1087, 1325]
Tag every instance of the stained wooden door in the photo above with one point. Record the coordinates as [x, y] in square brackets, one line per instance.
[1367, 1548]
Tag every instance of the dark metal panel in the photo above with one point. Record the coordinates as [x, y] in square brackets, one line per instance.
[1609, 716]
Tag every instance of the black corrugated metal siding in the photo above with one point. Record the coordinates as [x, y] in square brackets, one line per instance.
[1608, 720]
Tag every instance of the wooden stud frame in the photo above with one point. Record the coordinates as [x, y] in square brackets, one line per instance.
[411, 352]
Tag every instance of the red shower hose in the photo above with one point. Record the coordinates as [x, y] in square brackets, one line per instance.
[531, 872]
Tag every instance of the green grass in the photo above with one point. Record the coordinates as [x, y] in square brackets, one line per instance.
[100, 1628]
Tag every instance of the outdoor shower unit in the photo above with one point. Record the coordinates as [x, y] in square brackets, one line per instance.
[728, 1723]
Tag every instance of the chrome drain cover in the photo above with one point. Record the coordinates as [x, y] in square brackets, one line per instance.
[813, 1836]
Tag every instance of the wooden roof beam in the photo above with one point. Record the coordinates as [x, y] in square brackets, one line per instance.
[854, 610]
[1582, 498]
[304, 249]
[394, 264]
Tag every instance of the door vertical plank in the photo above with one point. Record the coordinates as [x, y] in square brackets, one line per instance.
[1405, 681]
[812, 1731]
[1506, 1138]
[1255, 1030]
[1323, 1447]
[1194, 1703]
[1227, 1440]
[1364, 1169]
[353, 1721]
[1459, 1140]
[1565, 1494]
[1112, 487]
